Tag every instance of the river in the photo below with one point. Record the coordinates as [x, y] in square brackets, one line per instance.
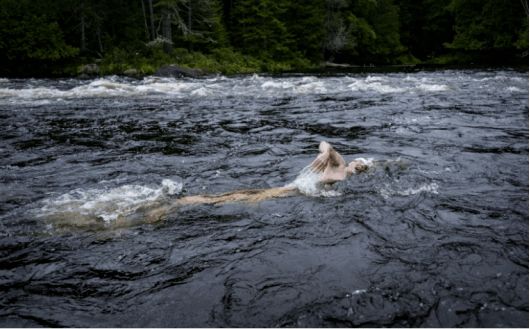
[435, 233]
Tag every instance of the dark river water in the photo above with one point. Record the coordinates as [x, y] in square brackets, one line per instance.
[434, 234]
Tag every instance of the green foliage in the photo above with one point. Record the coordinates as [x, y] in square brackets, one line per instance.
[305, 24]
[363, 32]
[486, 25]
[381, 29]
[221, 60]
[29, 36]
[361, 35]
[244, 36]
[425, 25]
[260, 31]
[522, 40]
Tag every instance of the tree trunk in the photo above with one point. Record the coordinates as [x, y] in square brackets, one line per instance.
[190, 47]
[83, 36]
[147, 34]
[100, 44]
[525, 6]
[152, 18]
[166, 30]
[189, 15]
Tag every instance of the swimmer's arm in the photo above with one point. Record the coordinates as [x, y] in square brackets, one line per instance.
[323, 158]
[336, 159]
[320, 163]
[327, 158]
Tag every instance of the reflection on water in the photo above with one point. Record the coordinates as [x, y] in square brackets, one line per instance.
[434, 234]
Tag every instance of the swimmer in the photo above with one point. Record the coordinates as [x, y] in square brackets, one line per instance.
[332, 167]
[329, 166]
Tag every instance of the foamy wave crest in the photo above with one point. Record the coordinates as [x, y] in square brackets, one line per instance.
[110, 87]
[251, 86]
[377, 86]
[106, 204]
[432, 87]
[372, 78]
[514, 89]
[306, 85]
[313, 87]
[276, 85]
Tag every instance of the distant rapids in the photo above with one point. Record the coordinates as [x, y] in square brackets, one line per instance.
[258, 86]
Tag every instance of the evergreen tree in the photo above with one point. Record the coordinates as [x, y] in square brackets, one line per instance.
[305, 24]
[259, 30]
[30, 34]
[487, 25]
[272, 34]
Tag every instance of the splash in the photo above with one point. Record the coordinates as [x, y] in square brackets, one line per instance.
[366, 161]
[308, 181]
[104, 205]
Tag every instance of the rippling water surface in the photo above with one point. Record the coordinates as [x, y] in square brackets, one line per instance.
[434, 234]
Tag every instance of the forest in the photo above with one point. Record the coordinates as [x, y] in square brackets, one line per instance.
[59, 37]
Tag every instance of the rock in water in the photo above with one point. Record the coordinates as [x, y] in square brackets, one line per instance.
[89, 69]
[175, 71]
[131, 73]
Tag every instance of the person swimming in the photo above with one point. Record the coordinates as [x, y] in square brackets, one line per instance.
[328, 168]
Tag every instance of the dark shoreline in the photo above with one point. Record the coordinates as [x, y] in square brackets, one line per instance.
[321, 71]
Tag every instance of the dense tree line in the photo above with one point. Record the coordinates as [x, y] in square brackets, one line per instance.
[256, 35]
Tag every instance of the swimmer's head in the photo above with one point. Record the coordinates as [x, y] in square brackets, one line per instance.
[356, 167]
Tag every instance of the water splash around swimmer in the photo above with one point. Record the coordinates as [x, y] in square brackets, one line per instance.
[104, 206]
[308, 182]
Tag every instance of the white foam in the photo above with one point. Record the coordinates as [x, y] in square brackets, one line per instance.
[255, 77]
[170, 187]
[371, 78]
[307, 182]
[107, 87]
[387, 191]
[107, 203]
[311, 87]
[202, 91]
[309, 79]
[250, 86]
[361, 85]
[366, 161]
[513, 89]
[432, 87]
[276, 85]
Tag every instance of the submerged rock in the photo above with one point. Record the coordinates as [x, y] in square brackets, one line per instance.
[88, 70]
[131, 73]
[176, 71]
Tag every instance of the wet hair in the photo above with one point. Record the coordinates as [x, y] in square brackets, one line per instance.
[361, 167]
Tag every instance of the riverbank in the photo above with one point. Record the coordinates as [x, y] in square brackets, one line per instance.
[226, 61]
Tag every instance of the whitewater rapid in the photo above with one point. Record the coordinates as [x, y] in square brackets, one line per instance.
[252, 86]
